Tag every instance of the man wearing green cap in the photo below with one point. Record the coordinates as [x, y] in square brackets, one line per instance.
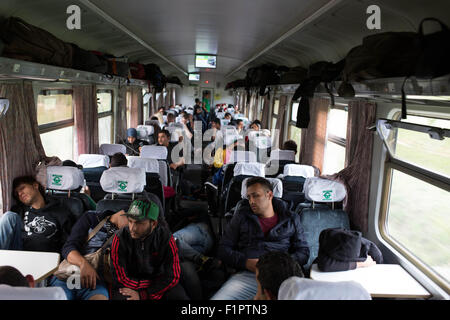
[144, 256]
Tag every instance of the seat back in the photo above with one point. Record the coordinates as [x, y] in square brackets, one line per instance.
[65, 179]
[93, 167]
[320, 216]
[293, 178]
[110, 149]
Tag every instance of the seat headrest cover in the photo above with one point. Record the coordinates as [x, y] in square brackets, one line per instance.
[220, 115]
[296, 288]
[298, 170]
[249, 169]
[242, 156]
[323, 190]
[93, 160]
[110, 149]
[150, 129]
[224, 122]
[64, 178]
[123, 180]
[262, 142]
[287, 155]
[154, 152]
[150, 165]
[277, 187]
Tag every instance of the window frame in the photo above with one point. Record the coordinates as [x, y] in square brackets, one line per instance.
[419, 173]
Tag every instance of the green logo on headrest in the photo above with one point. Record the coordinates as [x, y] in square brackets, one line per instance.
[327, 194]
[57, 178]
[143, 210]
[122, 185]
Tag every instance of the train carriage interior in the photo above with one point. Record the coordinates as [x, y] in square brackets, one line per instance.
[342, 105]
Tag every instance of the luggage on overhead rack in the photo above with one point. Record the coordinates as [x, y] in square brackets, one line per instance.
[24, 41]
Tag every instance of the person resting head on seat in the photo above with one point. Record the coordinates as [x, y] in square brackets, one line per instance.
[45, 219]
[15, 286]
[85, 189]
[132, 143]
[118, 159]
[253, 231]
[290, 145]
[144, 256]
[272, 269]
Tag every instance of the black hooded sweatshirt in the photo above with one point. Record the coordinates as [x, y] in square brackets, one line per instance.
[45, 229]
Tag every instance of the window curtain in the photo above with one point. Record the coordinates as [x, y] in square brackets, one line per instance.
[86, 118]
[265, 112]
[121, 118]
[172, 93]
[20, 142]
[312, 144]
[281, 125]
[356, 175]
[136, 107]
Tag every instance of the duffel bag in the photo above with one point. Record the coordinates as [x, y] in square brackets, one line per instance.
[137, 71]
[88, 61]
[24, 41]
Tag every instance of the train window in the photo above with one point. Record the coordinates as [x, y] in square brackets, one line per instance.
[55, 120]
[54, 106]
[105, 116]
[59, 143]
[417, 219]
[276, 106]
[294, 111]
[334, 158]
[434, 154]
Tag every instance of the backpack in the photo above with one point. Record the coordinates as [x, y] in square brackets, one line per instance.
[88, 61]
[137, 71]
[264, 75]
[24, 41]
[399, 54]
[156, 77]
[294, 75]
[322, 71]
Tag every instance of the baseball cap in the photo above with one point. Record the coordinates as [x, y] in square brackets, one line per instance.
[140, 210]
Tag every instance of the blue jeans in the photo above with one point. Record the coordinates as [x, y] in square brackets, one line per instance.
[194, 240]
[82, 293]
[240, 286]
[11, 226]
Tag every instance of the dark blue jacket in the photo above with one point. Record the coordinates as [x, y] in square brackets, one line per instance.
[244, 239]
[80, 231]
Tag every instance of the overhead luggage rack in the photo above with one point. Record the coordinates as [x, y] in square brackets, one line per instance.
[20, 69]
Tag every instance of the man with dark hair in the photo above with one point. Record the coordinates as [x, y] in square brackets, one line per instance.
[93, 283]
[227, 116]
[132, 143]
[144, 256]
[290, 145]
[240, 126]
[272, 269]
[262, 224]
[164, 140]
[15, 286]
[37, 222]
[118, 159]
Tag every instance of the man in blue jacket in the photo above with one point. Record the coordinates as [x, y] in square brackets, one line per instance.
[264, 225]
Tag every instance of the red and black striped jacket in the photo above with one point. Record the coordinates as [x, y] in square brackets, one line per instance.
[150, 266]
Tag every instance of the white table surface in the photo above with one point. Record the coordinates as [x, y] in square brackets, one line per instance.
[380, 280]
[39, 264]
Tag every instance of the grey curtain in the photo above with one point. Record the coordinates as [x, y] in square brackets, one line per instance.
[356, 175]
[312, 144]
[86, 118]
[20, 143]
